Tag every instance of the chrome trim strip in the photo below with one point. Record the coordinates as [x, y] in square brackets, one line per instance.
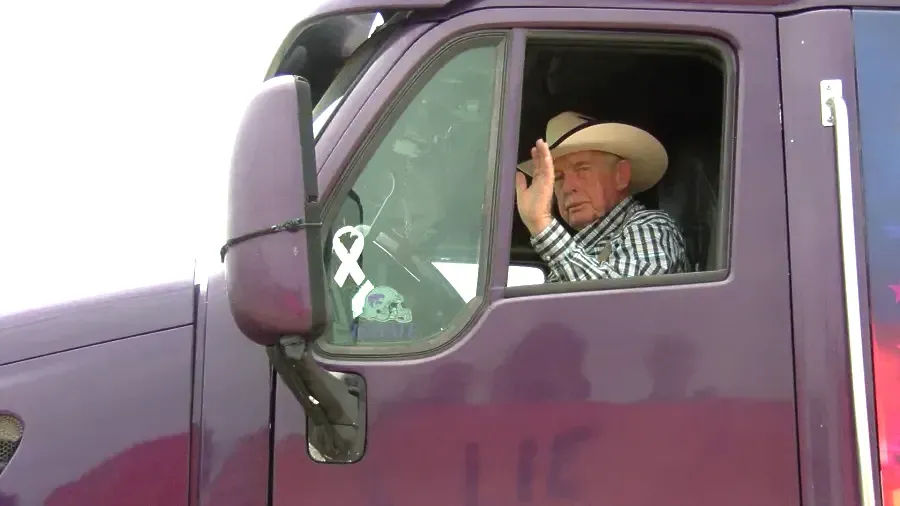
[840, 120]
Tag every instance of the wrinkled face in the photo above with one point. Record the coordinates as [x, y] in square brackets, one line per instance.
[588, 185]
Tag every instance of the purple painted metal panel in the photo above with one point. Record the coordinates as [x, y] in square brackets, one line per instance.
[233, 469]
[330, 7]
[105, 425]
[772, 6]
[91, 321]
[678, 383]
[817, 46]
[508, 143]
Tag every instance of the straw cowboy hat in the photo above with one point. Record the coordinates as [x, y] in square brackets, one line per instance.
[569, 132]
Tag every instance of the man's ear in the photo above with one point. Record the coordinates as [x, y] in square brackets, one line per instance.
[623, 174]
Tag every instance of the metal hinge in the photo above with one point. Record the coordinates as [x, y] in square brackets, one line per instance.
[828, 90]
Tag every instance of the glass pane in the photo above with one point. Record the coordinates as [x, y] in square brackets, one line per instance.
[418, 207]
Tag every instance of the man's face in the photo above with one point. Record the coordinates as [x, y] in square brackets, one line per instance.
[588, 184]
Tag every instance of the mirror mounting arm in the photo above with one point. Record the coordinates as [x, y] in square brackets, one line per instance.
[334, 406]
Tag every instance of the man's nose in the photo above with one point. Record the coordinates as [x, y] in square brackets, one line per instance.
[568, 183]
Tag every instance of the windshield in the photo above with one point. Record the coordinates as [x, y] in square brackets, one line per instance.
[340, 85]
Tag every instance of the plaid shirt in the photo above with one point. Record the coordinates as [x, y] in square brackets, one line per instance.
[630, 240]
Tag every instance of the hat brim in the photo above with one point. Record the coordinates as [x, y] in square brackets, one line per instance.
[647, 155]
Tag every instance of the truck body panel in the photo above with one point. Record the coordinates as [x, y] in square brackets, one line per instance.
[87, 322]
[516, 365]
[330, 7]
[104, 424]
[814, 45]
[234, 412]
[734, 384]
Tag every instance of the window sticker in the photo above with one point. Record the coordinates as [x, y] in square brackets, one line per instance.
[384, 304]
[384, 317]
[349, 266]
[367, 331]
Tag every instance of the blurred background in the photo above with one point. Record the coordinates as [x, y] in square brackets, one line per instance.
[116, 123]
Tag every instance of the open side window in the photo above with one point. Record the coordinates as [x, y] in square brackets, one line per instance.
[675, 88]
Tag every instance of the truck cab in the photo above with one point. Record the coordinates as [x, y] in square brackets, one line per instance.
[381, 330]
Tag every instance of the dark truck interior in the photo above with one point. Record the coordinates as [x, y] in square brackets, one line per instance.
[675, 92]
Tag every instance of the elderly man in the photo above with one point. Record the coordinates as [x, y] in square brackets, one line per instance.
[593, 169]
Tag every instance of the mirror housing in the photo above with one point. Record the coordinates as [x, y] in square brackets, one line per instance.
[274, 273]
[273, 259]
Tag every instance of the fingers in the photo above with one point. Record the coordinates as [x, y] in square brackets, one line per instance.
[543, 161]
[544, 153]
[520, 185]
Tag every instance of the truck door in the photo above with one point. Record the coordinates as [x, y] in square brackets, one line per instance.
[486, 385]
[843, 207]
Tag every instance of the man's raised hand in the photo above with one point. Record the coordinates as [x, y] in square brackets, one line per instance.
[534, 202]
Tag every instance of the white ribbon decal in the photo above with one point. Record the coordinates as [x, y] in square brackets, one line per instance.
[349, 259]
[349, 266]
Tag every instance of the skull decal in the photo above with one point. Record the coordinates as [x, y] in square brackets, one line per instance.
[384, 304]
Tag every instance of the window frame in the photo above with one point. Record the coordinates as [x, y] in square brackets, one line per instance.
[396, 105]
[727, 60]
[337, 173]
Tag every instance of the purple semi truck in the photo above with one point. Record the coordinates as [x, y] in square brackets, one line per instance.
[380, 331]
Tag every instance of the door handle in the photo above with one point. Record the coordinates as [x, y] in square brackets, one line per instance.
[835, 115]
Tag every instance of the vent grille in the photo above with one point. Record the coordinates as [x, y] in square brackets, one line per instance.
[10, 436]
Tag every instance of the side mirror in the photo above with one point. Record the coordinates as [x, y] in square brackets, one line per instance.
[274, 272]
[273, 259]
